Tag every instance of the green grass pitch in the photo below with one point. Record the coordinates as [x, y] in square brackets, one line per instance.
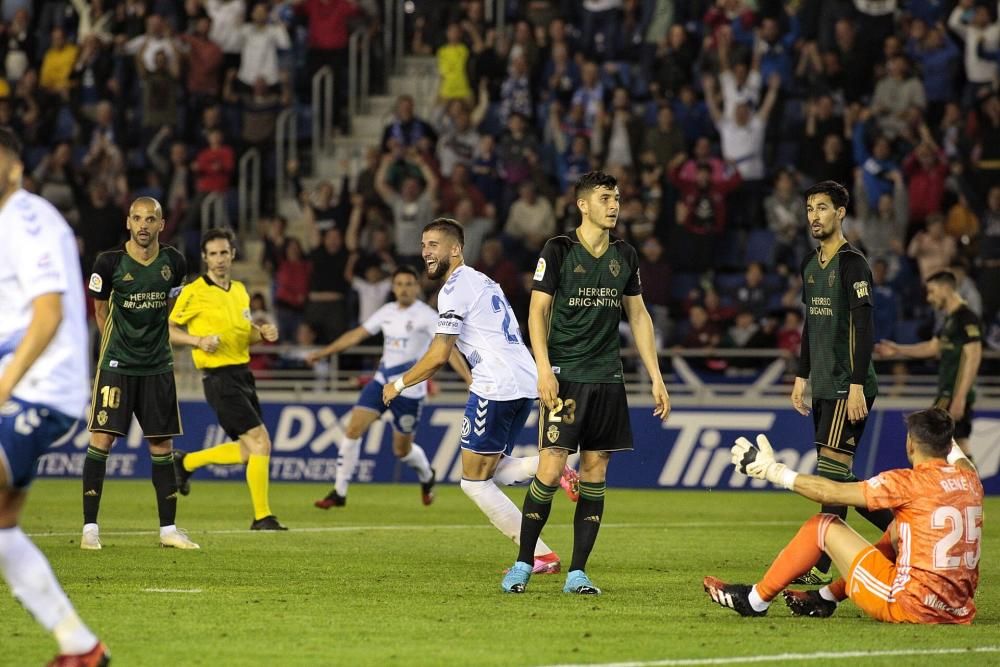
[386, 581]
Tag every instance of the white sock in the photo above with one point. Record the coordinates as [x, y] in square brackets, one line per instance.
[827, 594]
[417, 459]
[166, 530]
[500, 510]
[756, 601]
[347, 460]
[513, 470]
[32, 582]
[88, 527]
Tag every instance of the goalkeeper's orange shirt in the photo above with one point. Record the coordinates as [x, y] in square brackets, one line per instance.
[939, 516]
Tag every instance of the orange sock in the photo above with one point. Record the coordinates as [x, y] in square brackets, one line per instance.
[797, 558]
[838, 588]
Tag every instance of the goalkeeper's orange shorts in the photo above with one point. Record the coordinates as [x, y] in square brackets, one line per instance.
[869, 585]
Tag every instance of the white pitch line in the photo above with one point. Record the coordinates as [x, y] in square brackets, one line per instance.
[426, 527]
[788, 657]
[171, 590]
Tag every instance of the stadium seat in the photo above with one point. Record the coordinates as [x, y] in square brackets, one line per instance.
[682, 284]
[730, 250]
[727, 283]
[760, 247]
[907, 331]
[65, 126]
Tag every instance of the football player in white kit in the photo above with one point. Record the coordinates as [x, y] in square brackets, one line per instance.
[43, 388]
[407, 325]
[474, 315]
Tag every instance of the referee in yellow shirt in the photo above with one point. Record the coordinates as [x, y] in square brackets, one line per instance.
[215, 310]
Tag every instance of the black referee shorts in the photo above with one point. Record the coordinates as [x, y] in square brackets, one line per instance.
[232, 393]
[833, 428]
[151, 398]
[590, 417]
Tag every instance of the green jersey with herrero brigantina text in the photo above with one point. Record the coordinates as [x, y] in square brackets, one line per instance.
[587, 293]
[136, 339]
[831, 293]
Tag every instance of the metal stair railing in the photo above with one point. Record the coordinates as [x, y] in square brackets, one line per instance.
[286, 140]
[322, 111]
[248, 191]
[358, 71]
[213, 212]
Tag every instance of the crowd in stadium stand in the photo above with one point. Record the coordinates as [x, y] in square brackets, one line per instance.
[713, 115]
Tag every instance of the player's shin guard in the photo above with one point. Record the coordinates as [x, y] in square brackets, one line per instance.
[499, 509]
[534, 514]
[512, 470]
[797, 558]
[348, 454]
[95, 466]
[32, 582]
[417, 459]
[165, 485]
[228, 453]
[587, 522]
[837, 472]
[258, 471]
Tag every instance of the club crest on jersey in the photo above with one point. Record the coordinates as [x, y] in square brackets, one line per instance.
[552, 433]
[166, 272]
[540, 269]
[832, 279]
[614, 267]
[102, 418]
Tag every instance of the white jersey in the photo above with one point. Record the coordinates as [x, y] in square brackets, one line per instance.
[473, 307]
[408, 333]
[39, 255]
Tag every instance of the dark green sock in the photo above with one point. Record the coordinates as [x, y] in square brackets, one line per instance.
[95, 467]
[587, 522]
[837, 472]
[165, 484]
[534, 514]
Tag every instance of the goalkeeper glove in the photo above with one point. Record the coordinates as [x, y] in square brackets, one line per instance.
[757, 461]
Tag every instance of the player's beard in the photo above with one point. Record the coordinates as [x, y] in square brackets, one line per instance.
[149, 240]
[440, 268]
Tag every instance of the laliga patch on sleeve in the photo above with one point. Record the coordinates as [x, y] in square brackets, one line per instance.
[861, 288]
[972, 331]
[540, 269]
[96, 283]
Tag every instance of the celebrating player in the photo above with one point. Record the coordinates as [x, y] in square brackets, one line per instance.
[958, 344]
[215, 310]
[582, 283]
[925, 569]
[132, 289]
[837, 345]
[407, 325]
[43, 388]
[474, 315]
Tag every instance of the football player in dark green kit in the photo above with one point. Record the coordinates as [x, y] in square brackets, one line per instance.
[959, 345]
[133, 288]
[837, 345]
[582, 283]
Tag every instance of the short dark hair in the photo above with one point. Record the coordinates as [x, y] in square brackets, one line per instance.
[218, 233]
[450, 227]
[593, 180]
[834, 190]
[10, 142]
[943, 278]
[933, 429]
[405, 270]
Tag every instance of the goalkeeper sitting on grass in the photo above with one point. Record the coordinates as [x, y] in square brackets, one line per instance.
[925, 569]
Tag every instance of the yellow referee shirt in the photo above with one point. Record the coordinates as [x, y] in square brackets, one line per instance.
[208, 310]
